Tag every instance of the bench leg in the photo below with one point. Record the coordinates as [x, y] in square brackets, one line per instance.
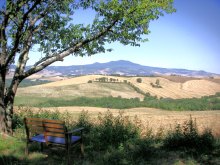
[41, 147]
[82, 149]
[68, 154]
[26, 149]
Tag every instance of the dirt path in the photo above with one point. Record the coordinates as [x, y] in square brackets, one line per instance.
[157, 119]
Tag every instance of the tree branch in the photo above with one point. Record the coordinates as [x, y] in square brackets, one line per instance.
[19, 32]
[3, 40]
[44, 62]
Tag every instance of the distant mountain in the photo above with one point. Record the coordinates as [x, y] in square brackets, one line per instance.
[121, 67]
[125, 68]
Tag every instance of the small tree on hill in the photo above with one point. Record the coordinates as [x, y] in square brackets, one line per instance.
[49, 26]
[139, 80]
[157, 82]
[90, 81]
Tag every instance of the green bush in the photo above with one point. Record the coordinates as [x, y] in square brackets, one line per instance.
[23, 112]
[84, 121]
[113, 131]
[111, 139]
[186, 137]
[90, 81]
[139, 80]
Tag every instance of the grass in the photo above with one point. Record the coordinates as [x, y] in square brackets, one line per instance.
[27, 82]
[114, 140]
[81, 90]
[204, 103]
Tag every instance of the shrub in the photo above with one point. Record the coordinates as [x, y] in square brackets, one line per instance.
[186, 137]
[90, 81]
[117, 139]
[84, 121]
[139, 80]
[157, 84]
[23, 112]
[113, 131]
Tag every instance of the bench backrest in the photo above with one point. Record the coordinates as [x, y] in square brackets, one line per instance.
[33, 126]
[54, 128]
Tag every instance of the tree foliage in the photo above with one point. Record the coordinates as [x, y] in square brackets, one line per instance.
[51, 26]
[139, 80]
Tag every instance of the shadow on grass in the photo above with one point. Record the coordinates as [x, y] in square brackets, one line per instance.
[116, 140]
[50, 155]
[135, 152]
[13, 160]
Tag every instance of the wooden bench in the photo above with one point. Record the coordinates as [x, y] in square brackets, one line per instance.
[51, 132]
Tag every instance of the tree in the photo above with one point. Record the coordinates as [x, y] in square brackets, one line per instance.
[139, 80]
[49, 25]
[157, 82]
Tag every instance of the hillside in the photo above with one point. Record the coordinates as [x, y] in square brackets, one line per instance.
[121, 67]
[79, 86]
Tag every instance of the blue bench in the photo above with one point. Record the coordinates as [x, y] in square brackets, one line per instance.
[51, 132]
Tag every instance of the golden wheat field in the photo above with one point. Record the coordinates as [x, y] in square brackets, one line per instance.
[155, 119]
[176, 87]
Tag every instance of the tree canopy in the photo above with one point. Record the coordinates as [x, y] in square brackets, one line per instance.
[50, 25]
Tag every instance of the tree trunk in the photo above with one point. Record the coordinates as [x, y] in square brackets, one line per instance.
[9, 117]
[2, 104]
[6, 106]
[6, 116]
[2, 117]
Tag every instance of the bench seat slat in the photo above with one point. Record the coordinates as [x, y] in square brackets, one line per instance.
[57, 130]
[33, 119]
[59, 140]
[34, 123]
[52, 125]
[37, 130]
[38, 138]
[54, 134]
[53, 121]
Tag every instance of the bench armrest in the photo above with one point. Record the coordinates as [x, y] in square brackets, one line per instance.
[75, 130]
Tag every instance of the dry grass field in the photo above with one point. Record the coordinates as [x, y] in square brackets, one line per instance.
[155, 118]
[172, 87]
[81, 90]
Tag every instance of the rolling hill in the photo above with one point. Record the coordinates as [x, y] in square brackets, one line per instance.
[79, 86]
[121, 67]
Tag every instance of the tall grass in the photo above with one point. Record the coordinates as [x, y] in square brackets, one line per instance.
[115, 139]
[186, 137]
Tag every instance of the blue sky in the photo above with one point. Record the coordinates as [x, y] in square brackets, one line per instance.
[189, 39]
